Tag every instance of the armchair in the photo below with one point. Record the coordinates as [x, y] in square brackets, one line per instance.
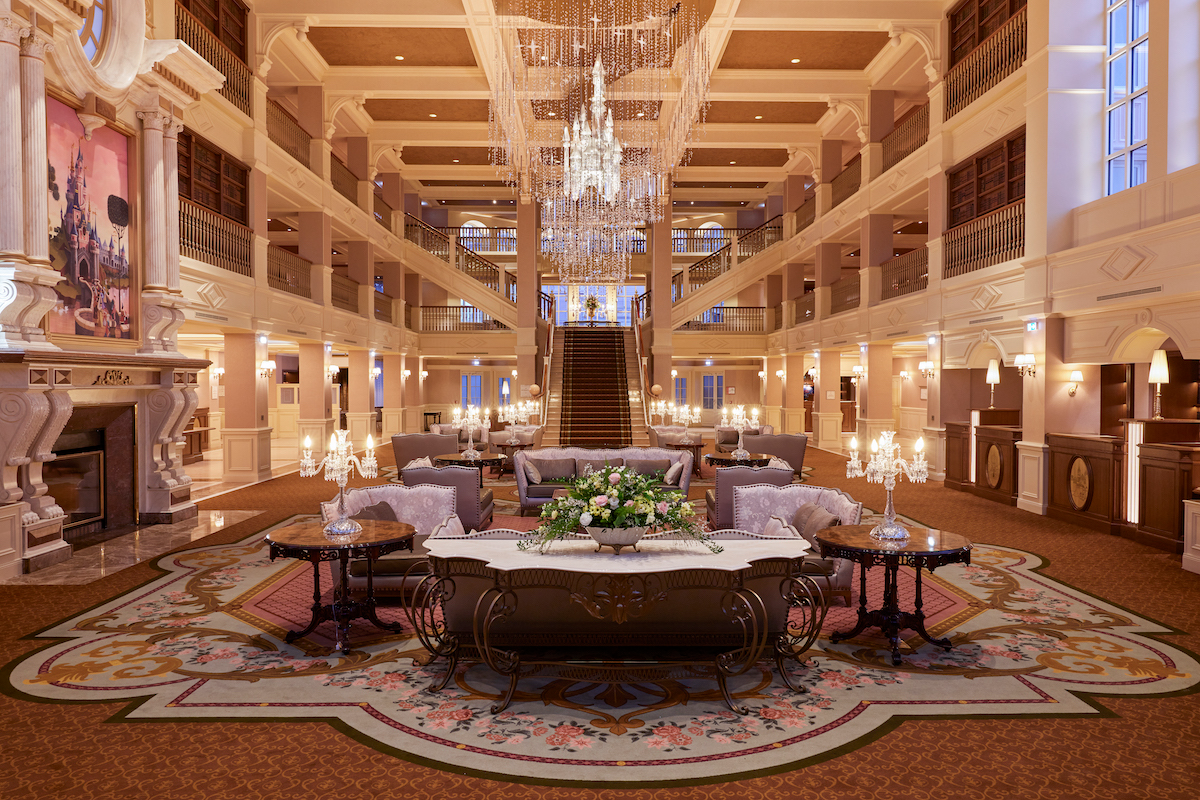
[788, 446]
[474, 504]
[407, 446]
[727, 437]
[719, 500]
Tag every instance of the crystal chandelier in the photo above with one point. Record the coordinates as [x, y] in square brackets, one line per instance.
[600, 169]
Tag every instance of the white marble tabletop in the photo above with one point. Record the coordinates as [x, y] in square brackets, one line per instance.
[653, 554]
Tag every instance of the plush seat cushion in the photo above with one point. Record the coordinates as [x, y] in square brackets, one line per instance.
[485, 498]
[648, 466]
[581, 464]
[811, 518]
[554, 469]
[381, 511]
[727, 436]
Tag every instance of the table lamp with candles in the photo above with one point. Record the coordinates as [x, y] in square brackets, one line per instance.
[884, 467]
[339, 463]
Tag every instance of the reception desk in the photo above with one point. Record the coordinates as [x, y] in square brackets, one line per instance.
[1162, 470]
[1086, 480]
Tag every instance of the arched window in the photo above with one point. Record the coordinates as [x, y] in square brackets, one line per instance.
[95, 30]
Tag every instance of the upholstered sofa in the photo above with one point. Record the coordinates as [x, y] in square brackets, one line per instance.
[727, 437]
[755, 504]
[663, 434]
[526, 434]
[407, 446]
[570, 462]
[474, 504]
[460, 433]
[788, 446]
[423, 507]
[719, 499]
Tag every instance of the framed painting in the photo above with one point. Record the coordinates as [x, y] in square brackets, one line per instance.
[90, 227]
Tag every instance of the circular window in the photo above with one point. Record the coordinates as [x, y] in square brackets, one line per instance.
[94, 33]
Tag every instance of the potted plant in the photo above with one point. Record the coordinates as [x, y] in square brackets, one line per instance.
[616, 506]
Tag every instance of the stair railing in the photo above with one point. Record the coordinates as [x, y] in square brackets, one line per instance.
[465, 260]
[723, 260]
[643, 385]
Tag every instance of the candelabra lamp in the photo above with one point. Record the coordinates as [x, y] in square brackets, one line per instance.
[473, 421]
[510, 415]
[687, 415]
[884, 467]
[739, 422]
[339, 463]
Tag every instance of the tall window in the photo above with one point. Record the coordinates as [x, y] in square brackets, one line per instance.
[472, 390]
[1127, 79]
[681, 395]
[714, 391]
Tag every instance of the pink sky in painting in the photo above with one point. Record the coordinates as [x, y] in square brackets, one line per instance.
[106, 157]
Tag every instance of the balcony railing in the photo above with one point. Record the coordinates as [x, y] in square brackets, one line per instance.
[287, 133]
[996, 57]
[847, 182]
[731, 319]
[641, 306]
[907, 138]
[344, 293]
[777, 317]
[844, 295]
[445, 319]
[991, 239]
[207, 236]
[906, 274]
[434, 241]
[408, 316]
[806, 214]
[383, 212]
[545, 306]
[343, 180]
[383, 307]
[237, 86]
[485, 240]
[805, 309]
[288, 272]
[720, 262]
[427, 237]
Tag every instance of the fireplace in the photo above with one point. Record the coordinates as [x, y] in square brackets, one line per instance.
[93, 475]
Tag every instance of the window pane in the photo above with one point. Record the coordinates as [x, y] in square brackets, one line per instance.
[1116, 79]
[681, 395]
[1116, 174]
[708, 391]
[720, 391]
[1137, 166]
[1118, 28]
[1141, 65]
[1141, 17]
[1139, 108]
[1116, 129]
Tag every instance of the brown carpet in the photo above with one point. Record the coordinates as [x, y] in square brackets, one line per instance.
[1137, 748]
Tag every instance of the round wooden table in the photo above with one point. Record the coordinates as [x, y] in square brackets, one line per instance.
[307, 541]
[924, 548]
[727, 460]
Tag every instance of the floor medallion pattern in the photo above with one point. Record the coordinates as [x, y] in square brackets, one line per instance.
[204, 641]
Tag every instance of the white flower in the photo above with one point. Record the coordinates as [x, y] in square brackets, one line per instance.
[585, 518]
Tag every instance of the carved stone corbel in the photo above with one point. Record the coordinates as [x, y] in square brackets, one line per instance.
[162, 409]
[162, 316]
[40, 502]
[185, 387]
[22, 415]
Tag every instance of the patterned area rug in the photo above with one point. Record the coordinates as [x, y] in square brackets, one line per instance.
[204, 642]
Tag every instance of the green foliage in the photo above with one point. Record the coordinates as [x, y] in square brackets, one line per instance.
[617, 497]
[53, 182]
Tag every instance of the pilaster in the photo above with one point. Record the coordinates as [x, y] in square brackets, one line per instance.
[34, 45]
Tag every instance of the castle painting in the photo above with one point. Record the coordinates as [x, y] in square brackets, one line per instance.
[90, 231]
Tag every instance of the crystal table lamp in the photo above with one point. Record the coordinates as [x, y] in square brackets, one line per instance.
[339, 463]
[884, 467]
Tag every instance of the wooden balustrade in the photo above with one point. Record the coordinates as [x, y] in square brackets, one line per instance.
[906, 273]
[510, 284]
[847, 182]
[383, 212]
[427, 237]
[408, 316]
[447, 319]
[993, 60]
[238, 81]
[804, 309]
[729, 319]
[288, 272]
[485, 240]
[465, 260]
[284, 131]
[907, 138]
[209, 237]
[991, 239]
[844, 295]
[777, 317]
[720, 262]
[383, 307]
[806, 214]
[343, 293]
[545, 306]
[641, 306]
[343, 180]
[754, 242]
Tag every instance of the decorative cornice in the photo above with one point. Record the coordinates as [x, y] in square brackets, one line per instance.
[176, 81]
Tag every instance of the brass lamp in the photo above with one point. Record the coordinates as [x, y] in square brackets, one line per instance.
[993, 377]
[1158, 376]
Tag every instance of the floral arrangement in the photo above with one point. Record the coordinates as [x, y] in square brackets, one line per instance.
[591, 305]
[616, 497]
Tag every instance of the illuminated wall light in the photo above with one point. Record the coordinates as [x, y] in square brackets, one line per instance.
[1076, 379]
[266, 368]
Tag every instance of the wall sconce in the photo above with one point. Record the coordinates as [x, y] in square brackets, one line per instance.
[424, 374]
[1025, 364]
[217, 372]
[780, 373]
[859, 371]
[674, 373]
[1076, 379]
[266, 369]
[903, 374]
[926, 369]
[762, 373]
[812, 373]
[993, 377]
[514, 374]
[1158, 376]
[854, 381]
[262, 338]
[406, 374]
[333, 371]
[376, 372]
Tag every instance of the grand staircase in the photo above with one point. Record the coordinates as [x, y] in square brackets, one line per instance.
[595, 396]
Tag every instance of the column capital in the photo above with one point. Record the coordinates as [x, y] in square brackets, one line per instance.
[35, 44]
[154, 119]
[12, 31]
[172, 128]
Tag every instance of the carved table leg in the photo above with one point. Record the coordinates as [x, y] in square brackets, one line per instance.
[864, 616]
[918, 619]
[319, 612]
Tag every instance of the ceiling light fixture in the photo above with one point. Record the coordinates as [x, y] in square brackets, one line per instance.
[795, 61]
[399, 58]
[759, 116]
[433, 116]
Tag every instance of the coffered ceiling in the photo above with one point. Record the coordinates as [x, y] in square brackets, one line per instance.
[414, 78]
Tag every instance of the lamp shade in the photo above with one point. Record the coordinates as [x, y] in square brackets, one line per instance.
[993, 373]
[1076, 376]
[1158, 367]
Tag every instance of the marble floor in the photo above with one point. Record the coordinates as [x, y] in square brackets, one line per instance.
[142, 544]
[207, 475]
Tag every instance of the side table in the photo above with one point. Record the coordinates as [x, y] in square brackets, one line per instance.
[307, 541]
[924, 548]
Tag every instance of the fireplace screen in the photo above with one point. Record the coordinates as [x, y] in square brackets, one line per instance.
[76, 481]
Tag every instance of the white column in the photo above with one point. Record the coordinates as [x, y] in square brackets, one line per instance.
[154, 235]
[171, 195]
[12, 218]
[33, 141]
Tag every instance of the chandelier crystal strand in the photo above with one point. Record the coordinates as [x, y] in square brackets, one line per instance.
[593, 107]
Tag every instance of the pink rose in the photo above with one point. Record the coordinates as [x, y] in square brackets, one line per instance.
[628, 503]
[602, 500]
[662, 506]
[614, 478]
